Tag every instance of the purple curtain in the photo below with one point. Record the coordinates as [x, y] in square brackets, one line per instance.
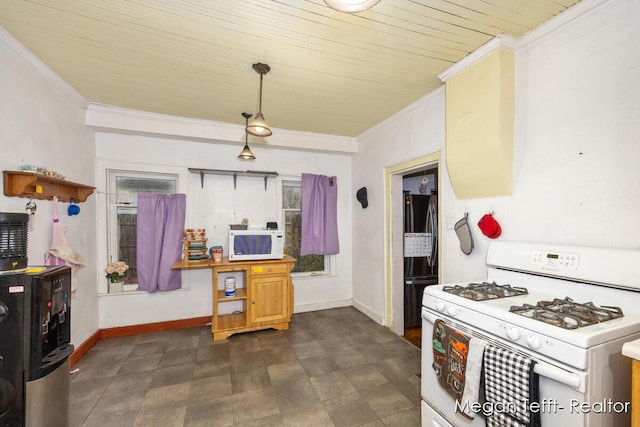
[319, 215]
[160, 227]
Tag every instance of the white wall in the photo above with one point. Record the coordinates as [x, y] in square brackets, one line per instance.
[415, 132]
[42, 122]
[576, 179]
[576, 175]
[216, 206]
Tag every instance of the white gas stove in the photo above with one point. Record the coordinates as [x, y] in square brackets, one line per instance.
[569, 308]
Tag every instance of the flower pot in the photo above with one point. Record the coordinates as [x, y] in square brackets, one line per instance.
[115, 287]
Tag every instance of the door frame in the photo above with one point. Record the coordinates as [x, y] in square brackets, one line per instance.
[393, 236]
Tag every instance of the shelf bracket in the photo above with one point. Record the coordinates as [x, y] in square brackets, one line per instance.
[235, 173]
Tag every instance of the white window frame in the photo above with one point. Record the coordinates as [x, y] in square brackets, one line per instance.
[329, 260]
[106, 211]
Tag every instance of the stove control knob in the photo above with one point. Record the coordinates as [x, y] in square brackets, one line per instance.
[513, 334]
[452, 311]
[440, 306]
[533, 341]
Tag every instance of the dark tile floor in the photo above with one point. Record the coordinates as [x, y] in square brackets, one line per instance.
[331, 368]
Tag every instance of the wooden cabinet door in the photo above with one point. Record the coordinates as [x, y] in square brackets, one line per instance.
[269, 299]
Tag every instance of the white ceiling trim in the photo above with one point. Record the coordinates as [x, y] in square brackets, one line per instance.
[428, 98]
[114, 119]
[503, 41]
[43, 69]
[558, 21]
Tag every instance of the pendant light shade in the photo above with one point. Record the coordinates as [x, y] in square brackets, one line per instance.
[351, 6]
[246, 153]
[258, 126]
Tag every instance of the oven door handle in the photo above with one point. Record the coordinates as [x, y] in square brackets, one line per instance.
[541, 368]
[557, 374]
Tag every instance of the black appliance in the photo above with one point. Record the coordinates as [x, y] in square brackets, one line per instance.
[13, 240]
[35, 333]
[420, 252]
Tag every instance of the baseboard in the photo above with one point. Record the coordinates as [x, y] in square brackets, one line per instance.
[303, 308]
[82, 349]
[123, 331]
[376, 317]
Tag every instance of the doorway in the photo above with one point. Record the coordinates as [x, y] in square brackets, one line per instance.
[394, 241]
[420, 245]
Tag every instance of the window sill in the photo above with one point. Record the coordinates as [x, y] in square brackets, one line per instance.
[115, 294]
[315, 275]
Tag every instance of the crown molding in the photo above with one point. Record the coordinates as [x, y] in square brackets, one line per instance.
[32, 60]
[502, 41]
[108, 118]
[558, 21]
[427, 99]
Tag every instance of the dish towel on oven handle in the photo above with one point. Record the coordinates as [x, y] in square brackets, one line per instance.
[510, 387]
[457, 362]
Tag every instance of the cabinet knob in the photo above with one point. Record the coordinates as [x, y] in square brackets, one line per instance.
[253, 301]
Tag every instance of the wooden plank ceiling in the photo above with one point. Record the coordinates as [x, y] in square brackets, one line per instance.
[331, 72]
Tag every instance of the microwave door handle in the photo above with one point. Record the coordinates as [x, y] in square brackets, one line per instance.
[541, 368]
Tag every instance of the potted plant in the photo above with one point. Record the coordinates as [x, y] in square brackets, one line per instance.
[115, 274]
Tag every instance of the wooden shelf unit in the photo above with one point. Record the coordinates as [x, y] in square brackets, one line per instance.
[265, 293]
[43, 187]
[190, 247]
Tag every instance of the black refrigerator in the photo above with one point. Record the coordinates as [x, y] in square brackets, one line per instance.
[420, 252]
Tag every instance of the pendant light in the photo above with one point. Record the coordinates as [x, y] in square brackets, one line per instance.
[258, 125]
[351, 6]
[246, 153]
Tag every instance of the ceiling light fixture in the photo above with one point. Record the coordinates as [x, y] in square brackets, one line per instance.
[258, 125]
[246, 153]
[351, 6]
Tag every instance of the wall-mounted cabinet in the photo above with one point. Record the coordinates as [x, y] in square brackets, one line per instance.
[42, 187]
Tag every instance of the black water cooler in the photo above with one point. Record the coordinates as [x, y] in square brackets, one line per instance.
[35, 334]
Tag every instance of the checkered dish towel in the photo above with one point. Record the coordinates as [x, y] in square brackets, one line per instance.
[511, 386]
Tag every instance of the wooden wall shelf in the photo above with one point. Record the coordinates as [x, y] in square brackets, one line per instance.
[42, 187]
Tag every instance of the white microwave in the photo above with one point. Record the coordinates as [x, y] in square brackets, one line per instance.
[255, 244]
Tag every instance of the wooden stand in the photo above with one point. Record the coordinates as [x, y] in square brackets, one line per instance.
[263, 297]
[194, 250]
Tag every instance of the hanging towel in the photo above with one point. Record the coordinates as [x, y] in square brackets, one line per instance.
[60, 253]
[457, 362]
[472, 376]
[510, 386]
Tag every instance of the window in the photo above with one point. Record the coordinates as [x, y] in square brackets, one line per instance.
[124, 187]
[292, 216]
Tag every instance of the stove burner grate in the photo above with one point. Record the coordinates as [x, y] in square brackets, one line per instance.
[567, 313]
[484, 291]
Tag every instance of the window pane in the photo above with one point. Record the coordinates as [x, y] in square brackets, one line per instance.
[123, 227]
[127, 242]
[129, 187]
[292, 220]
[291, 197]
